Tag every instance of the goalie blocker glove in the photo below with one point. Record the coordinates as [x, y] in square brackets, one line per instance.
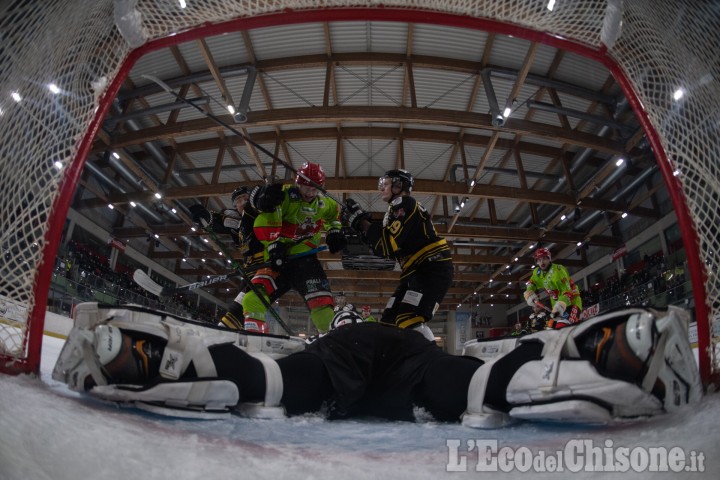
[629, 363]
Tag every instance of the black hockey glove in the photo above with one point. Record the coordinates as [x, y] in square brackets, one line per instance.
[354, 215]
[200, 215]
[267, 198]
[276, 255]
[335, 240]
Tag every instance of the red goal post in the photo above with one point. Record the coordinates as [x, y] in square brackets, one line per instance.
[88, 48]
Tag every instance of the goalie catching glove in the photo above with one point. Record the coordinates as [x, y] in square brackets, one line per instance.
[629, 363]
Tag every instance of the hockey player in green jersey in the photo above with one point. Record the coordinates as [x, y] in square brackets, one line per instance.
[555, 280]
[290, 222]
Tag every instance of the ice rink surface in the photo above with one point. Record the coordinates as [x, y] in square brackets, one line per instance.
[49, 432]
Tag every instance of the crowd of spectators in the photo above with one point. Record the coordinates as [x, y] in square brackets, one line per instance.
[90, 278]
[650, 281]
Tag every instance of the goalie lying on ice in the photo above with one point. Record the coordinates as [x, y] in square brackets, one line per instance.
[634, 362]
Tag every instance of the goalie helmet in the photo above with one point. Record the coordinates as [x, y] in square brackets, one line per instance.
[243, 190]
[345, 317]
[401, 178]
[312, 171]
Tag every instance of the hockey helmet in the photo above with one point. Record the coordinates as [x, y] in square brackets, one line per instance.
[542, 252]
[401, 178]
[348, 307]
[243, 190]
[345, 317]
[313, 172]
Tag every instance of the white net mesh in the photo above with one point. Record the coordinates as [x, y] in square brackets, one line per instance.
[77, 44]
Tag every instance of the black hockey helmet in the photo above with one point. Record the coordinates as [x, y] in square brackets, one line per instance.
[402, 178]
[345, 317]
[242, 190]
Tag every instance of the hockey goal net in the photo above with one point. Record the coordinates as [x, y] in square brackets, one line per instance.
[87, 49]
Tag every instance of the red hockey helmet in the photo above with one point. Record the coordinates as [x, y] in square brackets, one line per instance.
[312, 171]
[542, 252]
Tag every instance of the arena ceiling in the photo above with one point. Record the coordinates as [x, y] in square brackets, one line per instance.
[514, 144]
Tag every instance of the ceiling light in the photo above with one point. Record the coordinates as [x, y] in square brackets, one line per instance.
[678, 94]
[133, 204]
[551, 5]
[115, 154]
[507, 112]
[624, 214]
[156, 236]
[58, 164]
[110, 206]
[206, 240]
[54, 88]
[563, 218]
[158, 195]
[193, 229]
[231, 109]
[16, 96]
[620, 161]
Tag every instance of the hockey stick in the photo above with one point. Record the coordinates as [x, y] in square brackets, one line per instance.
[245, 277]
[542, 305]
[149, 285]
[234, 130]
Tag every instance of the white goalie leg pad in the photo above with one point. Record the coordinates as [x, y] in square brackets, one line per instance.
[181, 399]
[479, 415]
[273, 346]
[487, 350]
[562, 386]
[271, 407]
[78, 360]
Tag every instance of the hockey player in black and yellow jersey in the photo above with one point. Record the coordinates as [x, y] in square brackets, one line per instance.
[238, 223]
[407, 235]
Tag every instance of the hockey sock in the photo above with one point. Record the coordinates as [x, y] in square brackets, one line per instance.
[321, 317]
[306, 383]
